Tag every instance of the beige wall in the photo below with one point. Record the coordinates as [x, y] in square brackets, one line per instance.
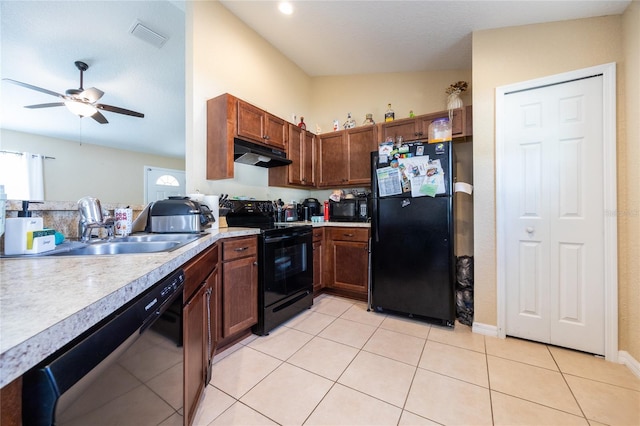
[333, 97]
[226, 56]
[509, 55]
[80, 169]
[629, 188]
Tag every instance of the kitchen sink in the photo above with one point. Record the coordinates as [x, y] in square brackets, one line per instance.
[121, 247]
[160, 238]
[138, 243]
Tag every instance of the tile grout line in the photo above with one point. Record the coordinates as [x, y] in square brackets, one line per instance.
[486, 360]
[564, 379]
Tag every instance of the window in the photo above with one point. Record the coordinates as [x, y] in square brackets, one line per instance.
[167, 180]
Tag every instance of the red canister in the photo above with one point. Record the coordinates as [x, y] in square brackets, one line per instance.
[326, 210]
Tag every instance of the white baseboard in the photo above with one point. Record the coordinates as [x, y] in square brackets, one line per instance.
[625, 358]
[485, 329]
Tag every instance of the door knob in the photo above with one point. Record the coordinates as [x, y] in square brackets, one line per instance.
[530, 229]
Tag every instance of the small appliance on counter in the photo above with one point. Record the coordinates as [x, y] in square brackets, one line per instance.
[308, 208]
[354, 209]
[291, 212]
[178, 215]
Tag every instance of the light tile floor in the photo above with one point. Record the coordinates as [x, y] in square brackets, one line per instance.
[337, 364]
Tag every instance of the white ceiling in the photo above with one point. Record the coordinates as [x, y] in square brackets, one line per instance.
[42, 39]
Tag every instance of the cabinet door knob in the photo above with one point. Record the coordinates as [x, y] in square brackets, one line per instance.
[255, 263]
[242, 248]
[348, 235]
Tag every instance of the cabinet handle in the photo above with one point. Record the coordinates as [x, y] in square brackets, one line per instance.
[348, 235]
[255, 263]
[416, 134]
[265, 137]
[242, 248]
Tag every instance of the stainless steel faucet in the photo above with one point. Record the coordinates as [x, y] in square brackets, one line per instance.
[92, 217]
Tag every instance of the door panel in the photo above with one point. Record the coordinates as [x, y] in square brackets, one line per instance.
[554, 215]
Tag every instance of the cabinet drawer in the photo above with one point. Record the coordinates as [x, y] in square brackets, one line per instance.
[239, 247]
[349, 234]
[318, 234]
[197, 270]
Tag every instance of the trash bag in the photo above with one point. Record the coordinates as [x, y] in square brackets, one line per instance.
[464, 306]
[464, 271]
[464, 290]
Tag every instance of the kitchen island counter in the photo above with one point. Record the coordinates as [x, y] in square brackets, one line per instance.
[46, 302]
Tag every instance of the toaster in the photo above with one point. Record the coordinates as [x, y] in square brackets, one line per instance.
[178, 215]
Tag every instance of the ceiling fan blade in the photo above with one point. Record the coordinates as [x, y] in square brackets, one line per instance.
[119, 110]
[54, 104]
[99, 118]
[36, 88]
[92, 94]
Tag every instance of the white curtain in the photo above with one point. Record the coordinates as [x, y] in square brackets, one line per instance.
[22, 175]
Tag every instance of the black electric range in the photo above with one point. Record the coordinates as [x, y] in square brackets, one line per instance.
[285, 262]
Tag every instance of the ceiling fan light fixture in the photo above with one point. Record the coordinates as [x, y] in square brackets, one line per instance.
[80, 108]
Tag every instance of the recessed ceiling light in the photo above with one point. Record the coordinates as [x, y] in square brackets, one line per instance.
[285, 7]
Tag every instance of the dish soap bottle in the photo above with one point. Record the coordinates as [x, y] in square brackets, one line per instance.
[389, 115]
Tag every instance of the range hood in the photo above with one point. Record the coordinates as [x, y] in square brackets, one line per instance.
[250, 153]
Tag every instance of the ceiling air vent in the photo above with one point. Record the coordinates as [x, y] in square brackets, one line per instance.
[147, 34]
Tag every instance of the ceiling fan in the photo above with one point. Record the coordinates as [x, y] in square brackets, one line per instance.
[82, 102]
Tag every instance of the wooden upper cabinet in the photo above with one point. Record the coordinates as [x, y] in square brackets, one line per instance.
[228, 118]
[344, 157]
[360, 142]
[300, 147]
[275, 131]
[309, 159]
[250, 121]
[259, 126]
[295, 150]
[332, 159]
[409, 129]
[417, 128]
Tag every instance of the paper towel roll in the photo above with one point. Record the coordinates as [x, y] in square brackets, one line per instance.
[463, 187]
[213, 202]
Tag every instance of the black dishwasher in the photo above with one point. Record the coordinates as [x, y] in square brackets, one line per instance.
[119, 372]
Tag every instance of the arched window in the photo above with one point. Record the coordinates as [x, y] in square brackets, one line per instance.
[167, 180]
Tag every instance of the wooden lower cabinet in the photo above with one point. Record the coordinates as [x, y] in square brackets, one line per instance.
[199, 319]
[347, 267]
[11, 403]
[318, 259]
[239, 285]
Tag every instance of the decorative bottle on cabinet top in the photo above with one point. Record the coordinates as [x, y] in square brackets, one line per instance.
[350, 123]
[301, 124]
[368, 120]
[389, 115]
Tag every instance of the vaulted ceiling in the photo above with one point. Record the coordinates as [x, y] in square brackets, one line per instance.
[41, 40]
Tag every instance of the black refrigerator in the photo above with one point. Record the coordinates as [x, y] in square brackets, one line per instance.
[412, 233]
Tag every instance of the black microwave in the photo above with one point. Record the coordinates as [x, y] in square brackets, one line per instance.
[349, 210]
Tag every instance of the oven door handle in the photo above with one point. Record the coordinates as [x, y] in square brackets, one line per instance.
[284, 237]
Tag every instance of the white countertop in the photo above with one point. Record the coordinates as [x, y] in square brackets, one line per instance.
[46, 302]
